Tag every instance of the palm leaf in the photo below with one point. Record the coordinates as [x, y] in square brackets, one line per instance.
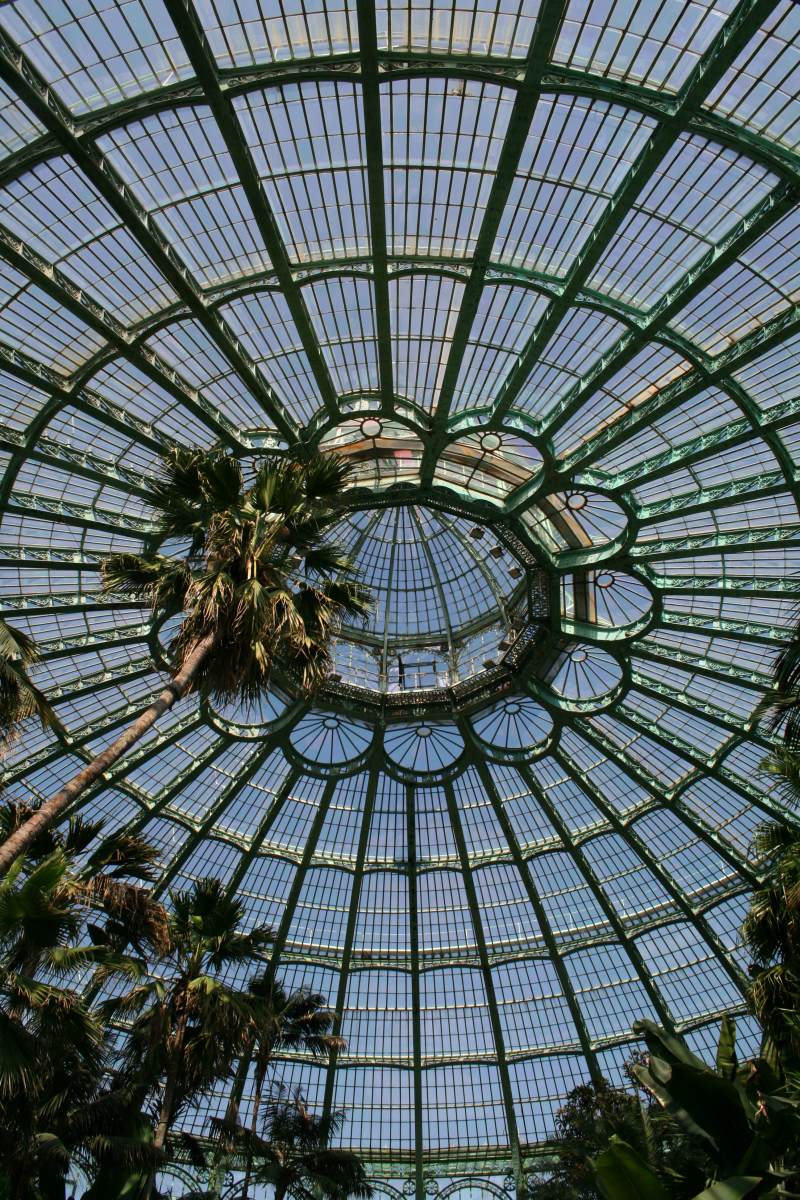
[155, 579]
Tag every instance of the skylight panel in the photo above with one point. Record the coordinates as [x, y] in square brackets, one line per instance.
[677, 957]
[253, 31]
[760, 89]
[577, 345]
[441, 146]
[377, 1015]
[691, 862]
[533, 1011]
[655, 45]
[380, 1105]
[19, 401]
[307, 148]
[57, 211]
[343, 312]
[694, 198]
[454, 1015]
[425, 309]
[629, 884]
[480, 1118]
[539, 1086]
[648, 372]
[680, 426]
[773, 375]
[571, 908]
[480, 27]
[508, 921]
[319, 917]
[128, 388]
[730, 813]
[501, 327]
[37, 324]
[576, 155]
[187, 347]
[604, 1004]
[18, 126]
[263, 324]
[100, 52]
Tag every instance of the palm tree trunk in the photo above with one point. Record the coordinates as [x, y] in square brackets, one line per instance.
[168, 1099]
[257, 1094]
[51, 810]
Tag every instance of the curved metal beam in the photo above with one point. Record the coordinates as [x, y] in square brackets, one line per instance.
[24, 79]
[558, 79]
[548, 23]
[488, 986]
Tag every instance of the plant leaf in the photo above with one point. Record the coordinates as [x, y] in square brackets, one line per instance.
[730, 1189]
[622, 1174]
[726, 1048]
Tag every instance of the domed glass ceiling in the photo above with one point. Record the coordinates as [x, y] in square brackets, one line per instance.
[534, 267]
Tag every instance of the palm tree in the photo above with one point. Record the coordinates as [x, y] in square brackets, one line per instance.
[771, 929]
[771, 933]
[281, 1020]
[19, 696]
[56, 1099]
[294, 1157]
[782, 701]
[188, 1025]
[106, 877]
[255, 583]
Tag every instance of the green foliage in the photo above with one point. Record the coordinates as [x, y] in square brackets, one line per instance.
[59, 1102]
[187, 1026]
[771, 933]
[598, 1115]
[256, 573]
[83, 945]
[293, 1156]
[622, 1174]
[283, 1020]
[747, 1123]
[19, 696]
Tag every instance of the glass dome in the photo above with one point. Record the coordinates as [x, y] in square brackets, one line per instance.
[534, 266]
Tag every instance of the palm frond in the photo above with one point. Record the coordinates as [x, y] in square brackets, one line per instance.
[328, 558]
[20, 698]
[17, 645]
[195, 483]
[325, 476]
[155, 579]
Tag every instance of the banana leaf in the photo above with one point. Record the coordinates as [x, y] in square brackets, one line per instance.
[622, 1174]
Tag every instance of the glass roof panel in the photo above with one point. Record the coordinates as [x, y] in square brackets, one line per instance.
[532, 266]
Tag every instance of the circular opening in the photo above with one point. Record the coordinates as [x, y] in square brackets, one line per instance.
[443, 599]
[371, 427]
[576, 501]
[605, 579]
[424, 731]
[331, 723]
[512, 708]
[491, 442]
[578, 656]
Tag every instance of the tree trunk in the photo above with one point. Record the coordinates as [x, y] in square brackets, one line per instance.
[51, 810]
[168, 1099]
[257, 1093]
